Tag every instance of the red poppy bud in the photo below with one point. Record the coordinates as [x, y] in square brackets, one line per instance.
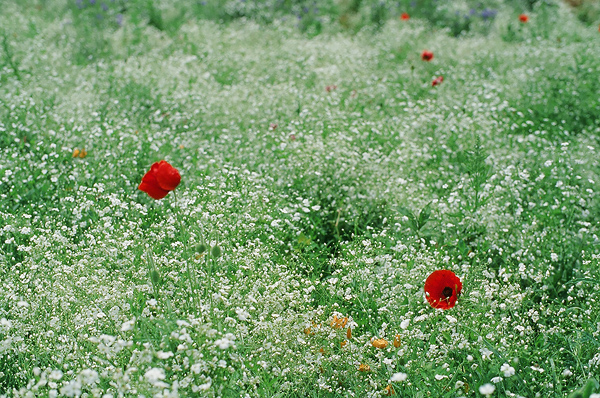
[426, 55]
[437, 80]
[405, 16]
[442, 289]
[161, 179]
[523, 18]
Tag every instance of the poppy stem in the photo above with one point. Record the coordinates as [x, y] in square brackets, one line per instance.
[186, 252]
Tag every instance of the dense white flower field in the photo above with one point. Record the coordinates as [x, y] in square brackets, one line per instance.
[323, 179]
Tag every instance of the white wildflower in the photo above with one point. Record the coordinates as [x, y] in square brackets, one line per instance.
[507, 370]
[487, 389]
[397, 377]
[71, 389]
[127, 326]
[164, 355]
[88, 376]
[155, 376]
[55, 375]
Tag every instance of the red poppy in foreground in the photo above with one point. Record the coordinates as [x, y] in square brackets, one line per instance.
[523, 18]
[405, 16]
[426, 55]
[437, 80]
[161, 179]
[442, 289]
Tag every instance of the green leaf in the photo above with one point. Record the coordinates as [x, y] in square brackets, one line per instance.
[424, 215]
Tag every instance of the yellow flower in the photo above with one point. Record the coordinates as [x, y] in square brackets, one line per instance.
[389, 390]
[79, 153]
[339, 323]
[349, 333]
[364, 368]
[397, 341]
[343, 344]
[379, 343]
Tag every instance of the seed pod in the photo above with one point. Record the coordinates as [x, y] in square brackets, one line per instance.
[215, 251]
[155, 277]
[200, 248]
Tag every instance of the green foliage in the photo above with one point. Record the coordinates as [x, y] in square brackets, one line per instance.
[323, 180]
[586, 390]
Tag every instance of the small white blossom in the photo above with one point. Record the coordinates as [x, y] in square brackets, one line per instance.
[164, 355]
[88, 376]
[224, 343]
[451, 319]
[155, 376]
[71, 389]
[397, 377]
[127, 326]
[55, 375]
[507, 370]
[487, 389]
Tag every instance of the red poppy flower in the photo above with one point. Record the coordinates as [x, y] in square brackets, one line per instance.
[437, 80]
[523, 18]
[405, 16]
[426, 55]
[161, 179]
[442, 289]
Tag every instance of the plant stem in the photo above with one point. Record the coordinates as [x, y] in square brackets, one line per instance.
[186, 256]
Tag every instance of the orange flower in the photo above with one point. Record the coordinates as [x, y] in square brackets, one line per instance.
[79, 153]
[339, 323]
[405, 16]
[349, 333]
[309, 331]
[397, 341]
[389, 390]
[523, 18]
[379, 343]
[364, 368]
[343, 344]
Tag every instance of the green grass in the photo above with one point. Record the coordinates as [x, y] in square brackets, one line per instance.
[323, 202]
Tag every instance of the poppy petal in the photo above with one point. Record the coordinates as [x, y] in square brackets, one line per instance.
[167, 176]
[442, 289]
[154, 191]
[151, 187]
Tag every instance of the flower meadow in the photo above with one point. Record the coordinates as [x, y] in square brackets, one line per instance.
[298, 199]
